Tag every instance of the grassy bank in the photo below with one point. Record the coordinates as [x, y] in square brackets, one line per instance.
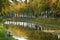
[3, 32]
[53, 23]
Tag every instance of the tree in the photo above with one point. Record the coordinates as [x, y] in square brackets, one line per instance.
[55, 7]
[36, 7]
[4, 4]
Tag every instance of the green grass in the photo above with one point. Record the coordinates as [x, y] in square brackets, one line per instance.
[3, 33]
[52, 23]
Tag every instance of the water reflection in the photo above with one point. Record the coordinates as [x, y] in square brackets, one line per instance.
[24, 33]
[26, 24]
[18, 23]
[19, 38]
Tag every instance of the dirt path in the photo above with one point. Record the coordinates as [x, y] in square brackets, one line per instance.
[52, 31]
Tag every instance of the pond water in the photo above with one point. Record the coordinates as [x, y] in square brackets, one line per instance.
[58, 36]
[26, 24]
[18, 31]
[19, 38]
[23, 33]
[19, 23]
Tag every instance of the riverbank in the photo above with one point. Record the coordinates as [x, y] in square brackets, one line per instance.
[3, 33]
[52, 23]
